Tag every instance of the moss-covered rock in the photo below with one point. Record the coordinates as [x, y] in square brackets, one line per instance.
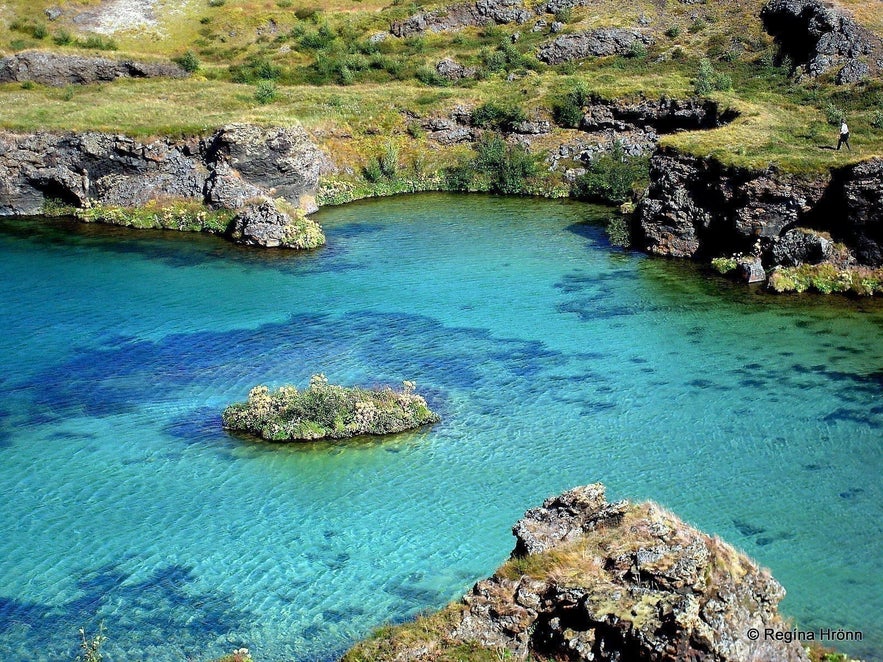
[324, 410]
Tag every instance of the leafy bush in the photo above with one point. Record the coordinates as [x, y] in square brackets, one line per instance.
[255, 68]
[62, 37]
[429, 76]
[96, 42]
[509, 169]
[265, 92]
[833, 114]
[568, 109]
[698, 26]
[564, 15]
[877, 119]
[708, 80]
[613, 177]
[323, 410]
[389, 161]
[724, 265]
[673, 32]
[490, 115]
[188, 61]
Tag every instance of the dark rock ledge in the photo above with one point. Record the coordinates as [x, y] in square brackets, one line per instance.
[603, 582]
[266, 177]
[59, 70]
[699, 208]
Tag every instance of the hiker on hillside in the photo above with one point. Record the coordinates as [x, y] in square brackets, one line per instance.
[844, 136]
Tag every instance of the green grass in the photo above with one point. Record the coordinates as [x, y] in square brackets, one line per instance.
[327, 76]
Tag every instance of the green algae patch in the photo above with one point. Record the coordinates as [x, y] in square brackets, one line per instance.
[328, 411]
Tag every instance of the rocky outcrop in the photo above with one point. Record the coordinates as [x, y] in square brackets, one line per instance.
[239, 167]
[821, 38]
[697, 207]
[664, 115]
[453, 70]
[594, 43]
[58, 70]
[603, 582]
[481, 12]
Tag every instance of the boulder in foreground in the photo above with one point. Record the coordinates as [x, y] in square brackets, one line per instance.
[327, 411]
[591, 580]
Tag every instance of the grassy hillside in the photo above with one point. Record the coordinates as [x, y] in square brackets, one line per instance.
[277, 61]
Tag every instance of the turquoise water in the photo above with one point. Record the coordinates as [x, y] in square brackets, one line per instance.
[554, 360]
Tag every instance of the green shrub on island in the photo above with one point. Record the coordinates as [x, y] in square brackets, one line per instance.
[324, 410]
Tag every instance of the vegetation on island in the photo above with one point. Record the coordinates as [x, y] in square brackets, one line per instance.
[328, 411]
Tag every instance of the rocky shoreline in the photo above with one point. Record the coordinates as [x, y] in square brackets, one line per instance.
[265, 176]
[256, 186]
[764, 221]
[592, 580]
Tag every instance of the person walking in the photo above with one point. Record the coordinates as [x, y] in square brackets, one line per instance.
[844, 136]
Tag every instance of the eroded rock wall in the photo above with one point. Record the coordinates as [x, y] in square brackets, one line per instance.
[240, 167]
[821, 39]
[697, 206]
[57, 70]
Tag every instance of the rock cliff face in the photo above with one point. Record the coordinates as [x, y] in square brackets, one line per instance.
[59, 70]
[591, 580]
[697, 207]
[821, 38]
[240, 167]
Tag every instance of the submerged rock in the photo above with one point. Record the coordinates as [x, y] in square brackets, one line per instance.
[324, 410]
[604, 582]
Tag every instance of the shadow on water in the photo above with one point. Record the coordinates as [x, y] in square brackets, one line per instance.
[388, 348]
[173, 248]
[166, 601]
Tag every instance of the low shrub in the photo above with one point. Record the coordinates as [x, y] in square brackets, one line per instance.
[508, 169]
[265, 92]
[673, 32]
[568, 109]
[255, 68]
[708, 80]
[181, 215]
[724, 265]
[188, 61]
[490, 115]
[613, 177]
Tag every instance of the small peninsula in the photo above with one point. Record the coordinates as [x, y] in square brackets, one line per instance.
[328, 411]
[592, 580]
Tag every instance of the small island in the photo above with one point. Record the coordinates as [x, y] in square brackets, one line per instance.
[328, 411]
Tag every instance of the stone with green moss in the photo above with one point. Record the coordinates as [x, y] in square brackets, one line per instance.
[328, 411]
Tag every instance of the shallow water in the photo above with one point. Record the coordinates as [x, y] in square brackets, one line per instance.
[554, 360]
